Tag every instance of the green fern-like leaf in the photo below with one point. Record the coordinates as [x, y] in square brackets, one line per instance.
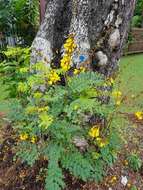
[77, 165]
[84, 81]
[98, 171]
[28, 153]
[54, 179]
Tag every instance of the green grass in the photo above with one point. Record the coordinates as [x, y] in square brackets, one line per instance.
[3, 97]
[131, 82]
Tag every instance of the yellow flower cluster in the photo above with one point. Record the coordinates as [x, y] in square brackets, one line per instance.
[25, 136]
[43, 109]
[117, 95]
[77, 71]
[113, 180]
[101, 142]
[94, 133]
[69, 48]
[65, 62]
[33, 139]
[139, 115]
[53, 77]
[33, 109]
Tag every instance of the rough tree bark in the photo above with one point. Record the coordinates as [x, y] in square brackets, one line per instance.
[100, 29]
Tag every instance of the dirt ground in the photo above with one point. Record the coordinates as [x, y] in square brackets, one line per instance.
[15, 175]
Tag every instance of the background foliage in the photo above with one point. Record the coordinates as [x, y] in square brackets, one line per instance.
[19, 18]
[137, 20]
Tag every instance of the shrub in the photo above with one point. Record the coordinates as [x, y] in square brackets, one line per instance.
[59, 116]
[136, 21]
[14, 60]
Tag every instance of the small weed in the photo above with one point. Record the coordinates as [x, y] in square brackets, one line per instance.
[134, 162]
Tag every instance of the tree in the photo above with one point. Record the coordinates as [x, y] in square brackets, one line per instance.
[99, 27]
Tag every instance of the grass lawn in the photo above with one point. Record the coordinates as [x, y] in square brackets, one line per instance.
[131, 85]
[3, 97]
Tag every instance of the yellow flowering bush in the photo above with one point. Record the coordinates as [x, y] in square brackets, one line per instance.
[14, 69]
[59, 115]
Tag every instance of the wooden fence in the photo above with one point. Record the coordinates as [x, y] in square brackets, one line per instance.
[10, 37]
[136, 43]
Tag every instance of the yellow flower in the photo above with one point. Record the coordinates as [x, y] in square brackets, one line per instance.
[53, 77]
[82, 69]
[33, 139]
[23, 136]
[129, 185]
[113, 180]
[118, 102]
[65, 66]
[65, 62]
[69, 40]
[42, 109]
[69, 45]
[117, 94]
[69, 48]
[76, 71]
[126, 163]
[101, 142]
[94, 132]
[139, 115]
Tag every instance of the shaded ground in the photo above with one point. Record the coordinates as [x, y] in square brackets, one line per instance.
[17, 176]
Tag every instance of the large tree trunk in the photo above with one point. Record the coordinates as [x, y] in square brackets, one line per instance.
[100, 28]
